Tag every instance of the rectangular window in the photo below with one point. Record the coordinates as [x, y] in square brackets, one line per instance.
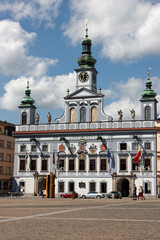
[92, 186]
[60, 164]
[123, 146]
[147, 164]
[134, 146]
[7, 170]
[82, 185]
[92, 165]
[61, 187]
[44, 164]
[1, 144]
[71, 186]
[23, 148]
[147, 188]
[8, 159]
[71, 164]
[81, 164]
[147, 145]
[9, 145]
[45, 148]
[103, 164]
[123, 166]
[22, 165]
[1, 170]
[33, 148]
[1, 156]
[33, 164]
[135, 166]
[5, 185]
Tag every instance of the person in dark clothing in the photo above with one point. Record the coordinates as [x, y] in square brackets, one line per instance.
[134, 192]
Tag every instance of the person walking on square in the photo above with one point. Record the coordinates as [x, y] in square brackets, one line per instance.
[140, 195]
[134, 192]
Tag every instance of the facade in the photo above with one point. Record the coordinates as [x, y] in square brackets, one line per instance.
[158, 157]
[91, 151]
[6, 156]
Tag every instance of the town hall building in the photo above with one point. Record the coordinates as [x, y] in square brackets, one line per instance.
[85, 148]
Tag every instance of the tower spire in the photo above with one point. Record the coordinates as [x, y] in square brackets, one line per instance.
[86, 60]
[27, 100]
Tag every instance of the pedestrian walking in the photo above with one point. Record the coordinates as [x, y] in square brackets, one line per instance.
[134, 192]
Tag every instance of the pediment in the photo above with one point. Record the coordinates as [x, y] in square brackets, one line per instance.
[83, 92]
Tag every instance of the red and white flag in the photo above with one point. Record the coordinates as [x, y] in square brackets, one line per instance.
[136, 159]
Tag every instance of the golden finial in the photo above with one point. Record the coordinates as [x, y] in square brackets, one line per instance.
[86, 21]
[149, 72]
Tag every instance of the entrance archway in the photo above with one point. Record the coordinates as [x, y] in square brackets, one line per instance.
[123, 187]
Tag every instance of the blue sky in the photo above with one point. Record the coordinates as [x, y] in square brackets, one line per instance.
[40, 41]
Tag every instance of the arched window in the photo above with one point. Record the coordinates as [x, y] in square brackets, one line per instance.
[83, 114]
[93, 114]
[147, 112]
[72, 115]
[24, 118]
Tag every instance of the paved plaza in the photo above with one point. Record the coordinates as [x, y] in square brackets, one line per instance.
[109, 219]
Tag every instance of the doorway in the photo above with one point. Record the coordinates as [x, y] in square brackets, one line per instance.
[41, 185]
[103, 187]
[123, 187]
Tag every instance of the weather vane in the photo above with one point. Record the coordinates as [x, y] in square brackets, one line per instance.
[28, 84]
[86, 21]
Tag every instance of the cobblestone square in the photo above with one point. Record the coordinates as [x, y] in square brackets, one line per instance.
[38, 218]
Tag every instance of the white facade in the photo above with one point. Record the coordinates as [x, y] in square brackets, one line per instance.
[92, 152]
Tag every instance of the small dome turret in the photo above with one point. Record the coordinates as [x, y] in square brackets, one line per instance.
[148, 93]
[27, 100]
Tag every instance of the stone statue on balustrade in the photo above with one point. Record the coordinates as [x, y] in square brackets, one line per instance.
[132, 114]
[37, 117]
[120, 113]
[49, 118]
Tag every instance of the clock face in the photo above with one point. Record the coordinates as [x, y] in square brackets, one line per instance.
[83, 77]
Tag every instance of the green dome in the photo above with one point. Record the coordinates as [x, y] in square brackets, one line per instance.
[86, 60]
[27, 100]
[148, 93]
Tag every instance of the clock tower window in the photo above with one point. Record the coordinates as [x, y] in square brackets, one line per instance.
[83, 114]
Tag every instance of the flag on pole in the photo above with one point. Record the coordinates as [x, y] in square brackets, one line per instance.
[108, 156]
[53, 158]
[26, 156]
[136, 159]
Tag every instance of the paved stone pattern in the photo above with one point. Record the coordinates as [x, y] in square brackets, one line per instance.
[108, 219]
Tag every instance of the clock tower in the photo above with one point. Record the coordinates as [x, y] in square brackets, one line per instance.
[86, 74]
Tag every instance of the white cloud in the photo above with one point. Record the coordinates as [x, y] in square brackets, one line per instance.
[48, 92]
[14, 43]
[37, 11]
[128, 95]
[126, 29]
